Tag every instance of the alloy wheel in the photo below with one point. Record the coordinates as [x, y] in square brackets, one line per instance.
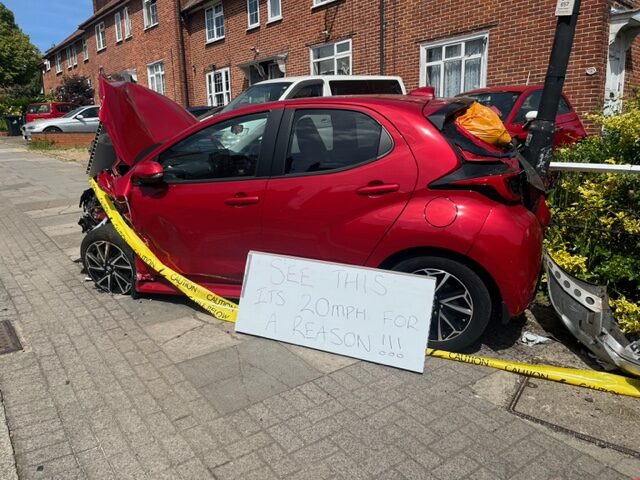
[109, 267]
[452, 305]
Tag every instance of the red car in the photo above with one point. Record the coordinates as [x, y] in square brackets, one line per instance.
[387, 182]
[514, 102]
[45, 110]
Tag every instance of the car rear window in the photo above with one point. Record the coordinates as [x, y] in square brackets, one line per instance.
[65, 108]
[532, 103]
[502, 102]
[364, 87]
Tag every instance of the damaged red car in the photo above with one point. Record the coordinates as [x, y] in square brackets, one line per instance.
[389, 182]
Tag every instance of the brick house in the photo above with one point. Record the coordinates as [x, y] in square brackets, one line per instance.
[200, 52]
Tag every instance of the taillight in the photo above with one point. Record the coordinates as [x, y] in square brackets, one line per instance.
[498, 181]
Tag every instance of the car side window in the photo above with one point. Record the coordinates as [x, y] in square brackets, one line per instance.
[44, 109]
[532, 103]
[323, 140]
[90, 113]
[225, 150]
[65, 108]
[308, 91]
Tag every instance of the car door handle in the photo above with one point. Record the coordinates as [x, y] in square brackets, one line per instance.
[241, 200]
[378, 189]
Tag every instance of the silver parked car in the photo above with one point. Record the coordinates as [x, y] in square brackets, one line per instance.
[81, 120]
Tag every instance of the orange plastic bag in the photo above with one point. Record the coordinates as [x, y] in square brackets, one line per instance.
[483, 123]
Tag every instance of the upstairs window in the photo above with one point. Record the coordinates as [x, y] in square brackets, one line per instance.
[456, 66]
[253, 13]
[117, 21]
[74, 55]
[275, 10]
[331, 59]
[69, 59]
[127, 22]
[47, 65]
[317, 3]
[85, 49]
[150, 11]
[58, 63]
[214, 19]
[101, 37]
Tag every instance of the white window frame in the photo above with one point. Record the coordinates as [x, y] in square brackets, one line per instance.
[74, 55]
[101, 37]
[67, 52]
[335, 56]
[58, 62]
[257, 13]
[153, 74]
[215, 37]
[319, 3]
[225, 92]
[47, 65]
[117, 21]
[85, 49]
[484, 56]
[271, 16]
[150, 13]
[127, 23]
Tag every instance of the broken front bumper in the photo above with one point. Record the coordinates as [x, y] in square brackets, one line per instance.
[584, 309]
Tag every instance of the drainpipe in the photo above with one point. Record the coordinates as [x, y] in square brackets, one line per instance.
[182, 55]
[539, 145]
[381, 53]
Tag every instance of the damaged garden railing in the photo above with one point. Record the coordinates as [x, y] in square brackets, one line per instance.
[596, 234]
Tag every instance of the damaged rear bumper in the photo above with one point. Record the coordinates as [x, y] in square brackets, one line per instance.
[584, 309]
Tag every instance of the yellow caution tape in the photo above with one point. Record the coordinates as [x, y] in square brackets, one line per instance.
[223, 309]
[219, 307]
[600, 381]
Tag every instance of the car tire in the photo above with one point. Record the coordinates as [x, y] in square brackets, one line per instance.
[52, 130]
[462, 304]
[108, 260]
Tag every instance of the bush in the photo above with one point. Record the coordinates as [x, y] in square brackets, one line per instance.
[595, 233]
[75, 89]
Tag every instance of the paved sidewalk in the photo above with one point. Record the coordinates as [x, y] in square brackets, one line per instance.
[111, 387]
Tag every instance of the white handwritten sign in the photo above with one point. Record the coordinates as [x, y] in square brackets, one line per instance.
[564, 7]
[374, 315]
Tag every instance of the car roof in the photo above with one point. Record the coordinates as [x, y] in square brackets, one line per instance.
[302, 78]
[503, 88]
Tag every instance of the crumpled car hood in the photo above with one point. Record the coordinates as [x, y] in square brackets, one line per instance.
[137, 118]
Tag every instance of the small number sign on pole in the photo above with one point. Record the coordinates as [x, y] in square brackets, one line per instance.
[370, 314]
[564, 7]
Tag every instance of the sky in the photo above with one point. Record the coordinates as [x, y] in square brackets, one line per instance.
[48, 22]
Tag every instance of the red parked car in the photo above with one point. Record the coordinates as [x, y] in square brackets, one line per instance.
[45, 110]
[514, 102]
[387, 182]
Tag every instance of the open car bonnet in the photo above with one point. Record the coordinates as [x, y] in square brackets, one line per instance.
[137, 118]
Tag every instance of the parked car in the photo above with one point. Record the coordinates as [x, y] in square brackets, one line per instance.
[80, 120]
[46, 110]
[316, 86]
[516, 104]
[378, 181]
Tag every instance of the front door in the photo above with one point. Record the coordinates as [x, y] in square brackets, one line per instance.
[341, 178]
[206, 214]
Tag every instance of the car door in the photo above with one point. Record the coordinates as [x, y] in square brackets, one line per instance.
[341, 177]
[89, 121]
[205, 215]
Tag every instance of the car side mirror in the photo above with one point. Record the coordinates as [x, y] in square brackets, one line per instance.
[79, 116]
[148, 173]
[532, 115]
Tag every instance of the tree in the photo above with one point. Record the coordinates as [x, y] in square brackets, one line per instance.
[75, 89]
[19, 58]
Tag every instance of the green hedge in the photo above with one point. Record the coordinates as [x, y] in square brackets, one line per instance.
[595, 231]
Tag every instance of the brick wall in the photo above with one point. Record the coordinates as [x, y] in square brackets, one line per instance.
[632, 74]
[144, 47]
[65, 140]
[300, 27]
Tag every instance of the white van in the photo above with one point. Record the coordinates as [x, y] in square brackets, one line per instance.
[316, 86]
